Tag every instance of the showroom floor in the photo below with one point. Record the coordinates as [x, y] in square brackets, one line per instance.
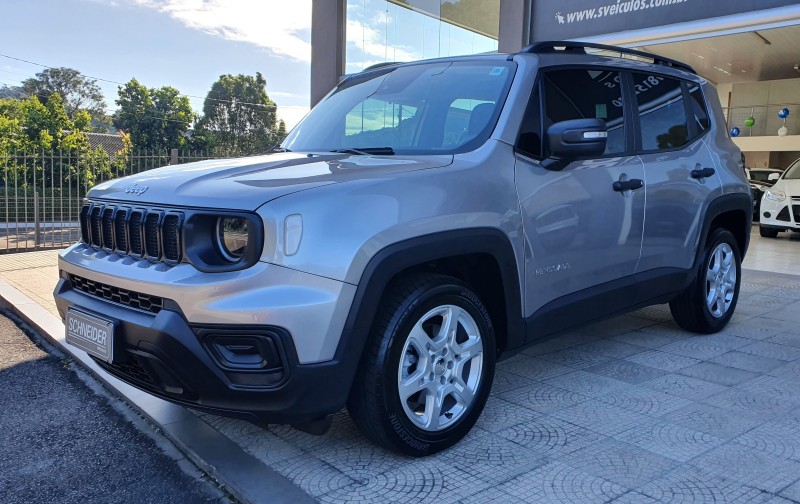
[631, 409]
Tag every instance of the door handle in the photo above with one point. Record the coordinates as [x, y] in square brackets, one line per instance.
[703, 172]
[628, 185]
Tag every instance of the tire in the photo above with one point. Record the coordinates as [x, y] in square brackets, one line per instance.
[444, 390]
[708, 303]
[768, 232]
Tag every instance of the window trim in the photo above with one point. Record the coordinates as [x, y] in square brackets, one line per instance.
[630, 134]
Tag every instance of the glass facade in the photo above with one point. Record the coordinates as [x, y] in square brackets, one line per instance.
[406, 30]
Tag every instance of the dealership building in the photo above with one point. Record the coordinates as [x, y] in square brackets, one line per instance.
[750, 49]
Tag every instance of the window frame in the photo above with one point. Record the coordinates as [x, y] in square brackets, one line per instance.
[694, 135]
[625, 84]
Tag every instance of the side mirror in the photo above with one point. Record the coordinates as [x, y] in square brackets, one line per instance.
[576, 138]
[773, 176]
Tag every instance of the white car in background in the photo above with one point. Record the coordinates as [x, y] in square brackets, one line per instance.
[780, 205]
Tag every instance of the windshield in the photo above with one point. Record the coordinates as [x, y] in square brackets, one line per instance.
[430, 108]
[794, 171]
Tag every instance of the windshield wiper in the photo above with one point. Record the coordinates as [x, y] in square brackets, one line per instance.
[366, 151]
[279, 149]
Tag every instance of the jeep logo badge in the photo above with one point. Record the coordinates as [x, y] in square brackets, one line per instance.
[136, 189]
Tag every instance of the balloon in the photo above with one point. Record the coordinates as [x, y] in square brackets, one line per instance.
[735, 131]
[750, 122]
[783, 113]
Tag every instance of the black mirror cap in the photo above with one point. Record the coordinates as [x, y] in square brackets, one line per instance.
[577, 138]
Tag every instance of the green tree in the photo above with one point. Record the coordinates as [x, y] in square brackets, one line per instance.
[77, 91]
[156, 119]
[11, 92]
[238, 116]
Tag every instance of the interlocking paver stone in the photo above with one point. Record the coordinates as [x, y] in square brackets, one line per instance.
[684, 386]
[670, 440]
[626, 371]
[749, 467]
[713, 420]
[624, 464]
[551, 436]
[643, 400]
[715, 373]
[588, 384]
[543, 398]
[690, 485]
[748, 362]
[773, 350]
[560, 483]
[600, 417]
[533, 368]
[663, 360]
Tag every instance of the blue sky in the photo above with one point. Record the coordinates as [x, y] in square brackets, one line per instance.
[187, 44]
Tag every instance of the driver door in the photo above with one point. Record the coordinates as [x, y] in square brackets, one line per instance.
[583, 236]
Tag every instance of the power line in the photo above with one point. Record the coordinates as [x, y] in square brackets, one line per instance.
[268, 107]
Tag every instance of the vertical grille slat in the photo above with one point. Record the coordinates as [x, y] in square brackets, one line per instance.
[152, 245]
[108, 228]
[84, 219]
[96, 221]
[171, 237]
[135, 232]
[120, 236]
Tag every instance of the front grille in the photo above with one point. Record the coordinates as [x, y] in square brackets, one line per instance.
[132, 299]
[141, 232]
[796, 213]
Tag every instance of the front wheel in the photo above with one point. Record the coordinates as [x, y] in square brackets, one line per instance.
[427, 368]
[708, 303]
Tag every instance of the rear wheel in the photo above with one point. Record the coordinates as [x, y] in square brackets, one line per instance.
[708, 303]
[768, 232]
[428, 367]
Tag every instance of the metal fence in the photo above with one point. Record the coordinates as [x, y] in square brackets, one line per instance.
[41, 193]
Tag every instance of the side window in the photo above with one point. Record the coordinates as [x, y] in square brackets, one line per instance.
[584, 94]
[697, 109]
[662, 112]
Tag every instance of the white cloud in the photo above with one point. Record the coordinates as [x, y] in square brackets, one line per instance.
[274, 25]
[291, 114]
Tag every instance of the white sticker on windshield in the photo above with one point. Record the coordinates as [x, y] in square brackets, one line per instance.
[496, 71]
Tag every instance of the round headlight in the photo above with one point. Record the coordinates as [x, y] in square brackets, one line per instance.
[232, 233]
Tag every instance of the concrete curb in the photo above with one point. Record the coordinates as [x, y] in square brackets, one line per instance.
[244, 476]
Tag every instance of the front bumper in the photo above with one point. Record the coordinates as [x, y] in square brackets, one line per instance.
[161, 353]
[169, 320]
[780, 214]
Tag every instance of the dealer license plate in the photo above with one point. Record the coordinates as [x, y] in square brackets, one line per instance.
[93, 335]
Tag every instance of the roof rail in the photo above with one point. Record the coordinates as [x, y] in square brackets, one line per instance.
[556, 46]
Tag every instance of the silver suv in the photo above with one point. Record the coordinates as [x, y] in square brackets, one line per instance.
[422, 221]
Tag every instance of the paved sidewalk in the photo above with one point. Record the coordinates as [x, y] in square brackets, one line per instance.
[632, 409]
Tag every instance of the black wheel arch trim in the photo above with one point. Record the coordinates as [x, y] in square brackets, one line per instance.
[719, 206]
[399, 256]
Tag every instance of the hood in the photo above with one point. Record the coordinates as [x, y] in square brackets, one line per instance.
[247, 183]
[790, 186]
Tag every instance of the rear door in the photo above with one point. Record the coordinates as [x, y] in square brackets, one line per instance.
[680, 172]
